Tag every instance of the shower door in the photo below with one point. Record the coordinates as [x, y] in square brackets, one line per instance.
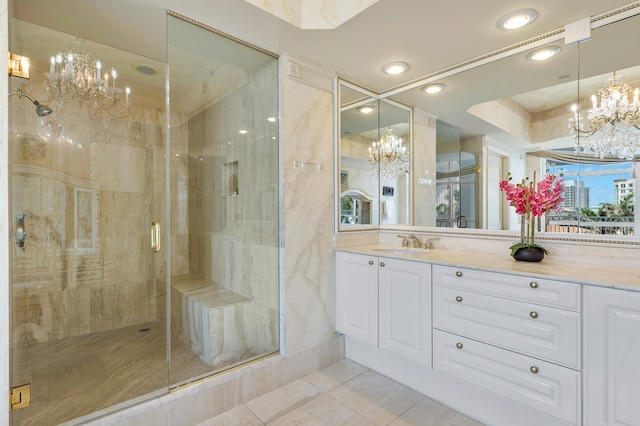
[88, 181]
[225, 196]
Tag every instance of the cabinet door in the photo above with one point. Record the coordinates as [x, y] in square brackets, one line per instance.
[405, 308]
[611, 357]
[357, 296]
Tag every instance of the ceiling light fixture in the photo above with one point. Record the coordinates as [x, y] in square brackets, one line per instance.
[388, 157]
[613, 128]
[434, 88]
[367, 109]
[543, 53]
[517, 19]
[395, 68]
[75, 75]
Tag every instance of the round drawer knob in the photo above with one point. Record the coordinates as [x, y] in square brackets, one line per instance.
[533, 314]
[533, 284]
[534, 369]
[371, 262]
[458, 274]
[458, 299]
[459, 345]
[381, 263]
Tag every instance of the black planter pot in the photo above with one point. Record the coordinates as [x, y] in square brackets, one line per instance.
[529, 254]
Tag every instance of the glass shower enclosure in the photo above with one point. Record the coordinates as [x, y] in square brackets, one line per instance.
[145, 216]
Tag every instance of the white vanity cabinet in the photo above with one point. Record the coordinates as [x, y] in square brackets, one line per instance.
[357, 296]
[404, 293]
[512, 335]
[611, 357]
[385, 302]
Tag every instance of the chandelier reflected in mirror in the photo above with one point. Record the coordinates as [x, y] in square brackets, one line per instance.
[77, 77]
[388, 157]
[611, 128]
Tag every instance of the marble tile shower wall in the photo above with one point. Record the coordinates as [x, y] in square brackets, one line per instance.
[87, 193]
[233, 185]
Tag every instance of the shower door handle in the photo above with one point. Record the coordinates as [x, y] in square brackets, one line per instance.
[155, 237]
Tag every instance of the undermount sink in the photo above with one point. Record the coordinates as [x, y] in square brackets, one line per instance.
[402, 251]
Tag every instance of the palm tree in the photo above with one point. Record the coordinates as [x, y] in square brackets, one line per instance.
[607, 210]
[625, 208]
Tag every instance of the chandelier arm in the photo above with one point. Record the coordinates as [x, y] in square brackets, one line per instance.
[587, 133]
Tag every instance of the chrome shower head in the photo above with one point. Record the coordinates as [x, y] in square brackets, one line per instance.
[41, 110]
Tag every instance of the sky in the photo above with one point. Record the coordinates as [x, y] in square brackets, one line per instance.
[602, 189]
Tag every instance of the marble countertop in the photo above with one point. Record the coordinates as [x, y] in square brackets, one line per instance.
[597, 275]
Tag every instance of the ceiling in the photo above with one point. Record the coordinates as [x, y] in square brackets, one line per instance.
[429, 35]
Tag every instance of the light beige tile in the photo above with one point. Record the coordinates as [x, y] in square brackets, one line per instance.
[336, 374]
[236, 416]
[323, 410]
[431, 413]
[275, 404]
[375, 397]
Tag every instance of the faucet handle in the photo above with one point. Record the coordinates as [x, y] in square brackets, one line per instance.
[428, 244]
[405, 240]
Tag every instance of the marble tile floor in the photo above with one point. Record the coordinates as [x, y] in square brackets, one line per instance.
[342, 394]
[76, 376]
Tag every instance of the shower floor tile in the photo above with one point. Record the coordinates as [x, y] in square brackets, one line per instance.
[74, 377]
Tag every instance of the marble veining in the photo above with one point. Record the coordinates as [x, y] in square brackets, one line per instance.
[309, 289]
[314, 14]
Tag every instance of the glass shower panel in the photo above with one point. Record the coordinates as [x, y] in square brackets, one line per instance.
[87, 179]
[224, 192]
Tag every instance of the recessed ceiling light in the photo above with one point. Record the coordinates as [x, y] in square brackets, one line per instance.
[395, 68]
[243, 132]
[433, 88]
[543, 53]
[367, 109]
[517, 19]
[271, 119]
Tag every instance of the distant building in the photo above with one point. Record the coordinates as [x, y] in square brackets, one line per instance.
[623, 188]
[576, 195]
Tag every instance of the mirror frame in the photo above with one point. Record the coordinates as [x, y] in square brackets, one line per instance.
[609, 18]
[338, 82]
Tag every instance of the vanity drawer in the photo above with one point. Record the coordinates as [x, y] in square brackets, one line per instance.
[547, 333]
[552, 293]
[540, 385]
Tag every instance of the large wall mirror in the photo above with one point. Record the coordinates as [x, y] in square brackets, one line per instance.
[514, 115]
[374, 184]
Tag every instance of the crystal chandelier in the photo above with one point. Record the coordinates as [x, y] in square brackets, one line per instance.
[611, 128]
[75, 75]
[388, 157]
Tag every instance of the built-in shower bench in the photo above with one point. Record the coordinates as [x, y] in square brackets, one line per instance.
[212, 321]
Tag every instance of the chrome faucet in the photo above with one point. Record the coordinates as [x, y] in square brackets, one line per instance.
[415, 241]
